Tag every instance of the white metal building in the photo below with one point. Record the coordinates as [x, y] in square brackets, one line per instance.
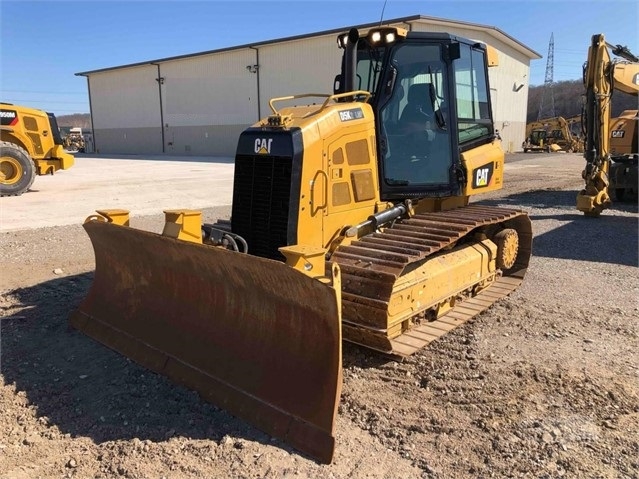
[198, 104]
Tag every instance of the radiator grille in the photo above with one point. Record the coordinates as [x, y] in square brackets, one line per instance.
[261, 199]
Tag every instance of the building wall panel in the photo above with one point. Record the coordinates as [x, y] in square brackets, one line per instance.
[132, 141]
[126, 98]
[292, 68]
[207, 100]
[203, 140]
[210, 90]
[125, 111]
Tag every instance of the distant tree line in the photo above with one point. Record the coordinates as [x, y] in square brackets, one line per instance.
[568, 97]
[79, 120]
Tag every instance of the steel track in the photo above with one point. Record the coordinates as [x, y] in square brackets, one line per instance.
[372, 265]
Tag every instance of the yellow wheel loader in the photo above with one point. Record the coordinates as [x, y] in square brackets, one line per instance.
[350, 220]
[611, 165]
[30, 145]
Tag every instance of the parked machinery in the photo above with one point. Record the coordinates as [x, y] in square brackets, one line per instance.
[551, 134]
[624, 153]
[538, 139]
[561, 134]
[607, 171]
[74, 140]
[30, 145]
[350, 219]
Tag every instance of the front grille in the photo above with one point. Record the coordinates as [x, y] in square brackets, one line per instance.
[261, 199]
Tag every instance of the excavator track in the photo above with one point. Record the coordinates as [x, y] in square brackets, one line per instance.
[373, 266]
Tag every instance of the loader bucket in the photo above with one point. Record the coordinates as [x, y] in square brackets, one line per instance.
[251, 335]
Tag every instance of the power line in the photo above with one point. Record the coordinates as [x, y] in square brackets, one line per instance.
[58, 110]
[45, 92]
[49, 101]
[548, 82]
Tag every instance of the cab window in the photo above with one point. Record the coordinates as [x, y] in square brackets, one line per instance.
[473, 107]
[416, 148]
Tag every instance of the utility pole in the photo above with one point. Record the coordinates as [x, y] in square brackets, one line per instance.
[548, 83]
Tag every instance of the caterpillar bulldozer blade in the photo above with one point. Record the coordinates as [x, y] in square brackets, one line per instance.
[251, 335]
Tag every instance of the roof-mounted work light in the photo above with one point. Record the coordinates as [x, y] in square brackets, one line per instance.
[385, 35]
[376, 36]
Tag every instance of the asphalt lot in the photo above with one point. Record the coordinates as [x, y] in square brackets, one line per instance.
[144, 185]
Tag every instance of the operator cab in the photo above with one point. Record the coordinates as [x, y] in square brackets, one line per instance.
[431, 100]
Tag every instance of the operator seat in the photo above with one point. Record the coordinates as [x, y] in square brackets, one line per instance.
[419, 108]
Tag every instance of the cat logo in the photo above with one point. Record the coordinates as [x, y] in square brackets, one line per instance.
[618, 133]
[482, 176]
[263, 145]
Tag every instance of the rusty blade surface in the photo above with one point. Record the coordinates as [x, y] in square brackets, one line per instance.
[251, 335]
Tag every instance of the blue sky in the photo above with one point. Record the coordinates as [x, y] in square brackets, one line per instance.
[43, 44]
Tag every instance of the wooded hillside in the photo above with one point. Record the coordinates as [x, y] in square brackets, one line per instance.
[81, 120]
[569, 99]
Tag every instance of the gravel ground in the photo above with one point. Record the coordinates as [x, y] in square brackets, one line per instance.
[541, 385]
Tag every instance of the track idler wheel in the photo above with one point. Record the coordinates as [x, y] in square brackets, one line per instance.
[507, 242]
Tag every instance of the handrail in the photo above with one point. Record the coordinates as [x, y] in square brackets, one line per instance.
[329, 98]
[314, 208]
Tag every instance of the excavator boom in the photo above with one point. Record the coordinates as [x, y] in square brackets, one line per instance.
[602, 76]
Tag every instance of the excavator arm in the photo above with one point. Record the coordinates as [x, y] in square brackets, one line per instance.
[602, 75]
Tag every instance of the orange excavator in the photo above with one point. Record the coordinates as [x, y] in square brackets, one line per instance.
[351, 219]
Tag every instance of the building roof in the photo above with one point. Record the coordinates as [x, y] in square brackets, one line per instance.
[493, 31]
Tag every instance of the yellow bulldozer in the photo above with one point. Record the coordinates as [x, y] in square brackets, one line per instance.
[538, 139]
[610, 146]
[30, 145]
[350, 220]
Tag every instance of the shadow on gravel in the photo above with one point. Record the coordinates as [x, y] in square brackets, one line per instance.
[88, 390]
[611, 238]
[608, 239]
[554, 199]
